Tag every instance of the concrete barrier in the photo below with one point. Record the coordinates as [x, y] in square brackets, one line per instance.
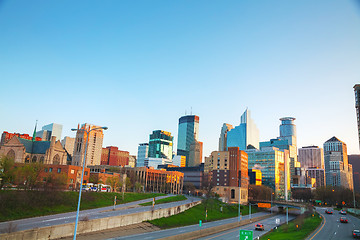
[66, 230]
[213, 230]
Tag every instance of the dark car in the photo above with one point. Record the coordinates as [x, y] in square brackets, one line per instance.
[343, 220]
[328, 211]
[259, 227]
[356, 233]
[343, 212]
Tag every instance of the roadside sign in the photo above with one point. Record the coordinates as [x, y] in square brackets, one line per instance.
[343, 203]
[246, 235]
[264, 205]
[200, 222]
[277, 221]
[318, 201]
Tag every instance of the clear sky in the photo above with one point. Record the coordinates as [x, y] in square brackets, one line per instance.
[136, 66]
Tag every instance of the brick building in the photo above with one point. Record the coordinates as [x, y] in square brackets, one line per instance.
[112, 156]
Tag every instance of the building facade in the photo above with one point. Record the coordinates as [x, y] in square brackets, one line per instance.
[50, 130]
[68, 144]
[223, 136]
[26, 151]
[245, 135]
[94, 145]
[311, 157]
[160, 145]
[143, 151]
[195, 154]
[338, 171]
[112, 156]
[187, 133]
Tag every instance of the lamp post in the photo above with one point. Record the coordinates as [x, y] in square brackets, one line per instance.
[83, 167]
[272, 193]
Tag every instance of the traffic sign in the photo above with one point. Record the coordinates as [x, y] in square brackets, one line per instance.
[200, 222]
[246, 235]
[318, 201]
[264, 205]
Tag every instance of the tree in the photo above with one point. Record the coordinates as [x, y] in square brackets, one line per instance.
[95, 178]
[259, 192]
[29, 175]
[189, 187]
[55, 182]
[7, 170]
[138, 187]
[113, 182]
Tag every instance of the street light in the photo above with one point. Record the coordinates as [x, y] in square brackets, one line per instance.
[239, 198]
[83, 167]
[272, 193]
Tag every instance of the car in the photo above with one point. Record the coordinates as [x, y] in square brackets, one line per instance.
[343, 220]
[259, 227]
[343, 212]
[356, 233]
[328, 211]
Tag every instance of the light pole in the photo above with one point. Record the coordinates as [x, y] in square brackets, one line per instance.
[239, 199]
[82, 173]
[272, 193]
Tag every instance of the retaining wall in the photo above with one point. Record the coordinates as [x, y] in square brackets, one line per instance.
[66, 230]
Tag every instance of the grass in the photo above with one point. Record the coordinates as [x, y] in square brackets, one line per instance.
[299, 228]
[165, 200]
[24, 204]
[194, 214]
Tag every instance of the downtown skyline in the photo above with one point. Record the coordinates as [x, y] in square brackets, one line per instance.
[136, 68]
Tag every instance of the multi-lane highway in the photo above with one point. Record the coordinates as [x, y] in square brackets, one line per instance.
[121, 209]
[332, 228]
[192, 228]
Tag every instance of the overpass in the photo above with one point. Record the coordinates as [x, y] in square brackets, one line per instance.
[282, 204]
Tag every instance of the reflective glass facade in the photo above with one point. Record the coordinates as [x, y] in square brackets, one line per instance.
[160, 145]
[188, 132]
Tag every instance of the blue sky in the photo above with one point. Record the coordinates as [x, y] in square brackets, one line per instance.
[136, 66]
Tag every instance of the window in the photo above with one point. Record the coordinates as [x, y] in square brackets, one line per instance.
[217, 184]
[232, 193]
[217, 179]
[71, 180]
[45, 170]
[59, 170]
[86, 173]
[72, 171]
[50, 169]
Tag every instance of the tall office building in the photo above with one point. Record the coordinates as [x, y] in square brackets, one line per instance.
[357, 106]
[143, 151]
[311, 157]
[223, 136]
[187, 134]
[68, 143]
[244, 136]
[195, 154]
[287, 141]
[160, 145]
[94, 146]
[275, 168]
[49, 131]
[338, 171]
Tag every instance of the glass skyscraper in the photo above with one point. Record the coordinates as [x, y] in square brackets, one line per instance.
[245, 134]
[188, 132]
[160, 145]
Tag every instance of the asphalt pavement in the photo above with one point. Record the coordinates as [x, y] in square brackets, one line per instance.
[191, 228]
[332, 228]
[121, 209]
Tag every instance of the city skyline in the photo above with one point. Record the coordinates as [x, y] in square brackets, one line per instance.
[60, 64]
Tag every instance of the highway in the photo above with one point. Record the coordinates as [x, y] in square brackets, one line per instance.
[191, 228]
[121, 209]
[332, 228]
[269, 224]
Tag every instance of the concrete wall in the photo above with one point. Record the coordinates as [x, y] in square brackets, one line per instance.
[66, 230]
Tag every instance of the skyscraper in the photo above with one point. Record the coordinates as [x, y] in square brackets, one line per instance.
[357, 106]
[49, 131]
[223, 136]
[338, 171]
[311, 157]
[195, 154]
[94, 147]
[187, 133]
[245, 135]
[160, 145]
[143, 151]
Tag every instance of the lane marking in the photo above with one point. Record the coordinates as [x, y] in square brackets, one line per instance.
[321, 226]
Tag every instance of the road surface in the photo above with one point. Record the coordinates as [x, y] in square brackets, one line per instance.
[332, 228]
[122, 209]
